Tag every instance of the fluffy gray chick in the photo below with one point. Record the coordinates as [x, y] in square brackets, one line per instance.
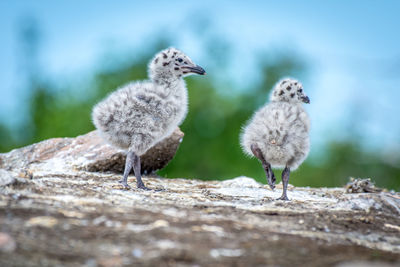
[140, 114]
[278, 133]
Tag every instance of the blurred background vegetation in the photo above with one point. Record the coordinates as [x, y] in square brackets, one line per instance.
[217, 110]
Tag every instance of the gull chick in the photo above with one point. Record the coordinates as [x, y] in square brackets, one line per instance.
[278, 133]
[140, 114]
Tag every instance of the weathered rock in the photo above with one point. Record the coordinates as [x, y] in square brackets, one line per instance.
[86, 152]
[6, 178]
[56, 215]
[7, 243]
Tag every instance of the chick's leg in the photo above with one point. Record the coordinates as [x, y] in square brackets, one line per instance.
[285, 181]
[267, 167]
[136, 169]
[128, 168]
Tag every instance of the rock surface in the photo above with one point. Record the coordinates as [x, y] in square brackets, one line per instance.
[55, 212]
[87, 152]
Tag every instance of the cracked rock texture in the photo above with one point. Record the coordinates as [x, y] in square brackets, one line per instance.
[61, 205]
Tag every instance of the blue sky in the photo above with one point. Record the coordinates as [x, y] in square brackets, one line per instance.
[353, 49]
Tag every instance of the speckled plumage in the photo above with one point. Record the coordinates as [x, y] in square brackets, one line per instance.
[140, 114]
[280, 129]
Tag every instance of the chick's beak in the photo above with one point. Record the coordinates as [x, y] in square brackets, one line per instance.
[306, 99]
[197, 69]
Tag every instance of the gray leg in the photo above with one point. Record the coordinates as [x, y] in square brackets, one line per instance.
[267, 167]
[285, 181]
[136, 169]
[128, 166]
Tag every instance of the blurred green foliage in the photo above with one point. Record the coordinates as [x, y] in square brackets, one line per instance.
[217, 111]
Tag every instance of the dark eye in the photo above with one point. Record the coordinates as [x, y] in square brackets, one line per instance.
[180, 60]
[300, 90]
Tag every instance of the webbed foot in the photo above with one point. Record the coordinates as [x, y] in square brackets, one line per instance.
[124, 184]
[283, 197]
